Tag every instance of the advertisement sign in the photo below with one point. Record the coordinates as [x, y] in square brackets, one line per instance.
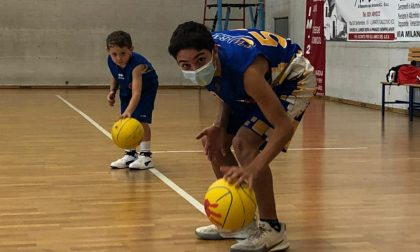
[372, 20]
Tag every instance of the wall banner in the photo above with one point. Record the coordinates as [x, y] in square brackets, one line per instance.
[315, 40]
[372, 20]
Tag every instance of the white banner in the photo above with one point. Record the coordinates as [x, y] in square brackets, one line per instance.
[372, 20]
[408, 27]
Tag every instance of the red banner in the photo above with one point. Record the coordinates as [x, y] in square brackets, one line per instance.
[315, 40]
[372, 36]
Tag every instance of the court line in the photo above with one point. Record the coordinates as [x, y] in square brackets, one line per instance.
[165, 179]
[99, 127]
[155, 172]
[290, 149]
[328, 148]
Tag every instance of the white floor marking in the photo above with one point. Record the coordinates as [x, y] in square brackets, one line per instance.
[328, 148]
[290, 149]
[99, 127]
[157, 173]
[165, 179]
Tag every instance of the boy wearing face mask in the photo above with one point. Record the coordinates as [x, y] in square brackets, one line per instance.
[264, 85]
[137, 82]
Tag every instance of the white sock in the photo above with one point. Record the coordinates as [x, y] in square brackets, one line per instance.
[145, 146]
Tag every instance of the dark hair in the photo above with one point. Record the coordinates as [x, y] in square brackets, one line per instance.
[120, 39]
[190, 35]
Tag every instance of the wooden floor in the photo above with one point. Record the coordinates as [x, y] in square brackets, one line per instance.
[350, 182]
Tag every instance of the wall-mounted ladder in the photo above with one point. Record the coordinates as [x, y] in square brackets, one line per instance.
[257, 19]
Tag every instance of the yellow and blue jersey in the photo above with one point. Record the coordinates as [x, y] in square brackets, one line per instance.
[237, 51]
[290, 76]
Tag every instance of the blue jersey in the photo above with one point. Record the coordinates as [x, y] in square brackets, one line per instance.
[124, 77]
[238, 49]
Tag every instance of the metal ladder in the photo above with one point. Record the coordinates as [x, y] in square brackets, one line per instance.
[256, 20]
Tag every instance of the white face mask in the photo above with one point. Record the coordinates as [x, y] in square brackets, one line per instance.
[201, 76]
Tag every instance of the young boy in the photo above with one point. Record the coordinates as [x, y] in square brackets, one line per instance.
[264, 85]
[138, 83]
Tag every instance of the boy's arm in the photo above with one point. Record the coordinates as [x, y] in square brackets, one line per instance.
[215, 135]
[136, 87]
[114, 86]
[112, 91]
[259, 89]
[222, 116]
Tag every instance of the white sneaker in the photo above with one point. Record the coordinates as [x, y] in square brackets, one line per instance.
[142, 163]
[265, 239]
[123, 162]
[211, 232]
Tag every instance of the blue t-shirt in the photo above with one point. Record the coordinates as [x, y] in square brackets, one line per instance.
[124, 77]
[238, 49]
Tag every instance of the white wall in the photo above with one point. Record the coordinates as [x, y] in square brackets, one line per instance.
[54, 41]
[275, 9]
[57, 41]
[353, 69]
[292, 9]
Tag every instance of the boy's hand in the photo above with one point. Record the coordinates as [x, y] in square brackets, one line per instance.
[215, 142]
[111, 98]
[125, 115]
[238, 175]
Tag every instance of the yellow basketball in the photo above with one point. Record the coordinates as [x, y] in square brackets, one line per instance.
[229, 207]
[127, 133]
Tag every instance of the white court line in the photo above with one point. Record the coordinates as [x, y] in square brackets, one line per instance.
[99, 127]
[328, 148]
[157, 173]
[165, 179]
[291, 149]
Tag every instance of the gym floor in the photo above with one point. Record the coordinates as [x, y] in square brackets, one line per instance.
[349, 182]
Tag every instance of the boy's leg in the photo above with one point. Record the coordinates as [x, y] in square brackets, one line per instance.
[247, 146]
[147, 132]
[144, 160]
[235, 123]
[143, 113]
[294, 94]
[271, 233]
[219, 160]
[130, 155]
[211, 232]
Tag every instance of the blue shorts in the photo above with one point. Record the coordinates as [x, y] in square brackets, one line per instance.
[143, 112]
[253, 118]
[294, 93]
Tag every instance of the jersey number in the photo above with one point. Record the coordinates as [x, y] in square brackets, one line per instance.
[269, 39]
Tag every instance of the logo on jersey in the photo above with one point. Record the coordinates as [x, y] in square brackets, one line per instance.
[121, 76]
[244, 41]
